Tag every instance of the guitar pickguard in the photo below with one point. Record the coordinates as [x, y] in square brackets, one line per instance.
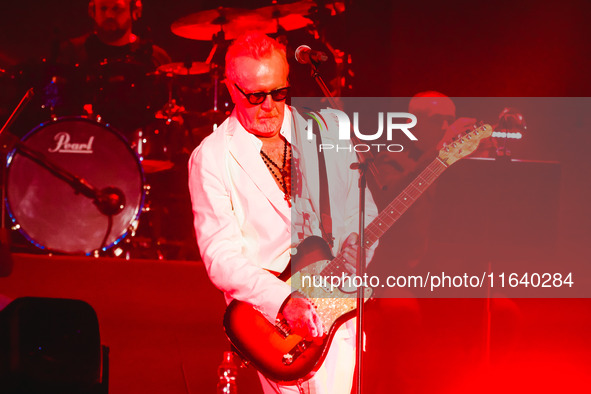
[333, 295]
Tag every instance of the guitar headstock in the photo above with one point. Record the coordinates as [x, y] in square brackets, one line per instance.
[465, 144]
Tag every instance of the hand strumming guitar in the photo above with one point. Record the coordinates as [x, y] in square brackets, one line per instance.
[301, 314]
[302, 317]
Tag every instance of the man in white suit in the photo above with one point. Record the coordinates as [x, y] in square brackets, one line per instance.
[240, 183]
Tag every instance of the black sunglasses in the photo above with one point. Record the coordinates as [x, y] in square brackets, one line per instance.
[258, 97]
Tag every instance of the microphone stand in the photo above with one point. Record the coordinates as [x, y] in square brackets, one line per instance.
[365, 157]
[109, 200]
[365, 162]
[6, 262]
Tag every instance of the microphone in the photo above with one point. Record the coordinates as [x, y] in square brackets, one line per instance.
[110, 201]
[305, 55]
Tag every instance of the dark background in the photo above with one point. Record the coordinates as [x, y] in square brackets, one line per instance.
[461, 48]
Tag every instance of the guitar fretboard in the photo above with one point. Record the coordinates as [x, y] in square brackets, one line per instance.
[392, 212]
[405, 199]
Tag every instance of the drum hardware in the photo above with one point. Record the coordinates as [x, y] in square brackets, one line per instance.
[201, 124]
[52, 83]
[215, 73]
[53, 217]
[222, 24]
[158, 143]
[5, 255]
[319, 15]
[51, 93]
[112, 77]
[180, 69]
[171, 111]
[232, 22]
[120, 89]
[145, 239]
[147, 189]
[177, 74]
[124, 92]
[203, 25]
[110, 200]
[297, 15]
[138, 245]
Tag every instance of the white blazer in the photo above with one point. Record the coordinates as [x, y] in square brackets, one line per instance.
[242, 221]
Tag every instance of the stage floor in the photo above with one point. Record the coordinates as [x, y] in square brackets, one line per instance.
[163, 323]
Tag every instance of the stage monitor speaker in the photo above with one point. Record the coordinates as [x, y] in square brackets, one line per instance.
[50, 345]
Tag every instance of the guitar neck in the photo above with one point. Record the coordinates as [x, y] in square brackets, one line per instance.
[396, 208]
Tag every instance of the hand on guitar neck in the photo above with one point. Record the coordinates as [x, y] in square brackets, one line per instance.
[301, 314]
[350, 250]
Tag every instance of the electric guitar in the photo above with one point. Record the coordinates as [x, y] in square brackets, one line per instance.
[289, 358]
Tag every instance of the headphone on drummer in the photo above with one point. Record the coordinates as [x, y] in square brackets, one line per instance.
[135, 7]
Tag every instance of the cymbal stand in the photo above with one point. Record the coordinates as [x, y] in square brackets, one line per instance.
[215, 72]
[5, 255]
[218, 41]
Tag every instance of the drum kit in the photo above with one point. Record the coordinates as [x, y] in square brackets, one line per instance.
[123, 139]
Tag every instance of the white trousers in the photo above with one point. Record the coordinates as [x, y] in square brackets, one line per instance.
[335, 375]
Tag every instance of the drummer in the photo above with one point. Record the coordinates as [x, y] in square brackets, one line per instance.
[115, 63]
[112, 37]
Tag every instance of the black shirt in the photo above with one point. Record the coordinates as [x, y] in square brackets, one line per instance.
[116, 80]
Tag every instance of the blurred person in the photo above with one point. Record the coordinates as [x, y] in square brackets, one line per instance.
[112, 37]
[112, 66]
[436, 124]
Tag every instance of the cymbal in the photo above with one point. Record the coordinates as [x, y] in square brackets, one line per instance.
[152, 166]
[293, 16]
[180, 68]
[203, 25]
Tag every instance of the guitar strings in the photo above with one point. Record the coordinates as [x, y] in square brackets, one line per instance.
[428, 176]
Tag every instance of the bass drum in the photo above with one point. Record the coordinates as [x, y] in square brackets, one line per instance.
[47, 210]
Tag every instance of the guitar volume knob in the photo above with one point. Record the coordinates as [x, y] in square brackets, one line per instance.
[287, 359]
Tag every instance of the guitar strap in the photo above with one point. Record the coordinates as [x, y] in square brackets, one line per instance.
[325, 217]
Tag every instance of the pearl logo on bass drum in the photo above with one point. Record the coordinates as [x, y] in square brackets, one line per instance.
[63, 144]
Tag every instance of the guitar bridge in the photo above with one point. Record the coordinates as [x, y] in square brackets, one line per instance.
[289, 358]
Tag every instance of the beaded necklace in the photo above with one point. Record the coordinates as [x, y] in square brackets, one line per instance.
[284, 176]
